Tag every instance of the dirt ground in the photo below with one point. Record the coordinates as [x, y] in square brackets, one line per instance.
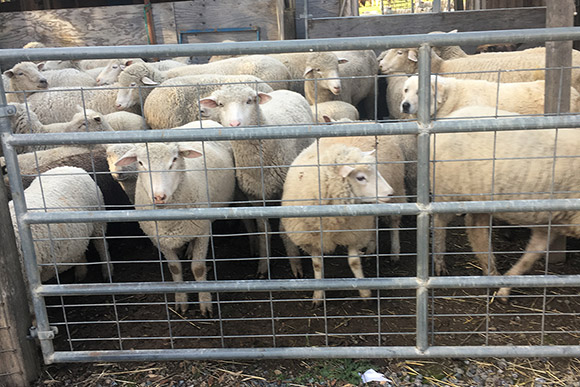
[287, 319]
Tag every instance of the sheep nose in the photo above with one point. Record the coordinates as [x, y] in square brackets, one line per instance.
[98, 81]
[43, 83]
[336, 89]
[405, 107]
[160, 198]
[235, 123]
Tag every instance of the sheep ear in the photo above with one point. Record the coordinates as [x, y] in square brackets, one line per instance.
[188, 152]
[345, 170]
[307, 71]
[79, 108]
[208, 102]
[263, 98]
[128, 158]
[369, 153]
[412, 55]
[342, 60]
[148, 81]
[327, 118]
[452, 32]
[97, 119]
[439, 91]
[128, 63]
[9, 73]
[40, 66]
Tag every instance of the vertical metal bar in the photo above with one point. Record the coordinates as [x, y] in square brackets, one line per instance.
[27, 244]
[424, 121]
[436, 6]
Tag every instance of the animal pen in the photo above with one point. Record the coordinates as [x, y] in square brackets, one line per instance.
[410, 314]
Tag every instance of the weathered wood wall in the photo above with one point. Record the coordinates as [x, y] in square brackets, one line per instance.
[490, 4]
[426, 22]
[125, 25]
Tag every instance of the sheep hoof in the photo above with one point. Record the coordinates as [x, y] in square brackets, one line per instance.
[441, 269]
[181, 302]
[317, 298]
[503, 295]
[205, 304]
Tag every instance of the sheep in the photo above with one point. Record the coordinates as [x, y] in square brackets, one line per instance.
[484, 66]
[69, 78]
[34, 45]
[110, 73]
[63, 246]
[263, 163]
[334, 174]
[174, 102]
[123, 120]
[83, 64]
[357, 70]
[54, 105]
[142, 74]
[335, 110]
[496, 47]
[92, 160]
[522, 165]
[310, 66]
[187, 175]
[23, 79]
[395, 96]
[449, 94]
[26, 121]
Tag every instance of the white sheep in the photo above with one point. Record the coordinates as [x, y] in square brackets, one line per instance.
[26, 121]
[123, 120]
[484, 66]
[335, 110]
[82, 64]
[69, 78]
[110, 73]
[175, 101]
[450, 94]
[182, 175]
[263, 163]
[54, 105]
[333, 174]
[59, 247]
[23, 79]
[395, 96]
[511, 165]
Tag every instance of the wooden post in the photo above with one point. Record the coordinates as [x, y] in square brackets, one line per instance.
[150, 23]
[557, 96]
[19, 363]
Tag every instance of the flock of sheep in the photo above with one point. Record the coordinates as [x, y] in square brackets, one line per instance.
[326, 88]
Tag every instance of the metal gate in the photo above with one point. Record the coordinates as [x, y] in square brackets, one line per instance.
[412, 314]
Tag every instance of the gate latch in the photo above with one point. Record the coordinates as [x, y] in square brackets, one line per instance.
[7, 111]
[43, 335]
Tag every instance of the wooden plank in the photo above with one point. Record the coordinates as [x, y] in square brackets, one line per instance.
[164, 19]
[209, 14]
[423, 23]
[99, 26]
[19, 364]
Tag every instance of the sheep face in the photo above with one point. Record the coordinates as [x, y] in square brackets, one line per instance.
[88, 121]
[324, 66]
[162, 167]
[366, 183]
[114, 154]
[399, 60]
[133, 78]
[110, 73]
[410, 102]
[235, 105]
[27, 76]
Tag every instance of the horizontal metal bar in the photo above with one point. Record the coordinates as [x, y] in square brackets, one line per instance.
[310, 284]
[534, 35]
[316, 352]
[299, 131]
[38, 217]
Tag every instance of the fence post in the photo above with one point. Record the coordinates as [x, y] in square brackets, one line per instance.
[557, 95]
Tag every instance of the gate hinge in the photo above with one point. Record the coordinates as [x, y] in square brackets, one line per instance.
[7, 111]
[43, 335]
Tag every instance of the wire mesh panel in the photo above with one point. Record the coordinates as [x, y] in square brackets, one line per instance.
[266, 234]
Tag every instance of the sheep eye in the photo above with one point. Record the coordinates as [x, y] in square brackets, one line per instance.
[399, 52]
[174, 159]
[133, 84]
[220, 104]
[250, 101]
[406, 90]
[361, 178]
[20, 74]
[140, 163]
[115, 66]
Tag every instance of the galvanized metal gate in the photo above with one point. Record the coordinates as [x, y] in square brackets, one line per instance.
[422, 284]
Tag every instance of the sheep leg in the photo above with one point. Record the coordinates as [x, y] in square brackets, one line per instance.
[479, 240]
[250, 226]
[101, 247]
[199, 269]
[317, 265]
[177, 275]
[81, 270]
[293, 253]
[395, 240]
[263, 226]
[440, 221]
[356, 267]
[534, 250]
